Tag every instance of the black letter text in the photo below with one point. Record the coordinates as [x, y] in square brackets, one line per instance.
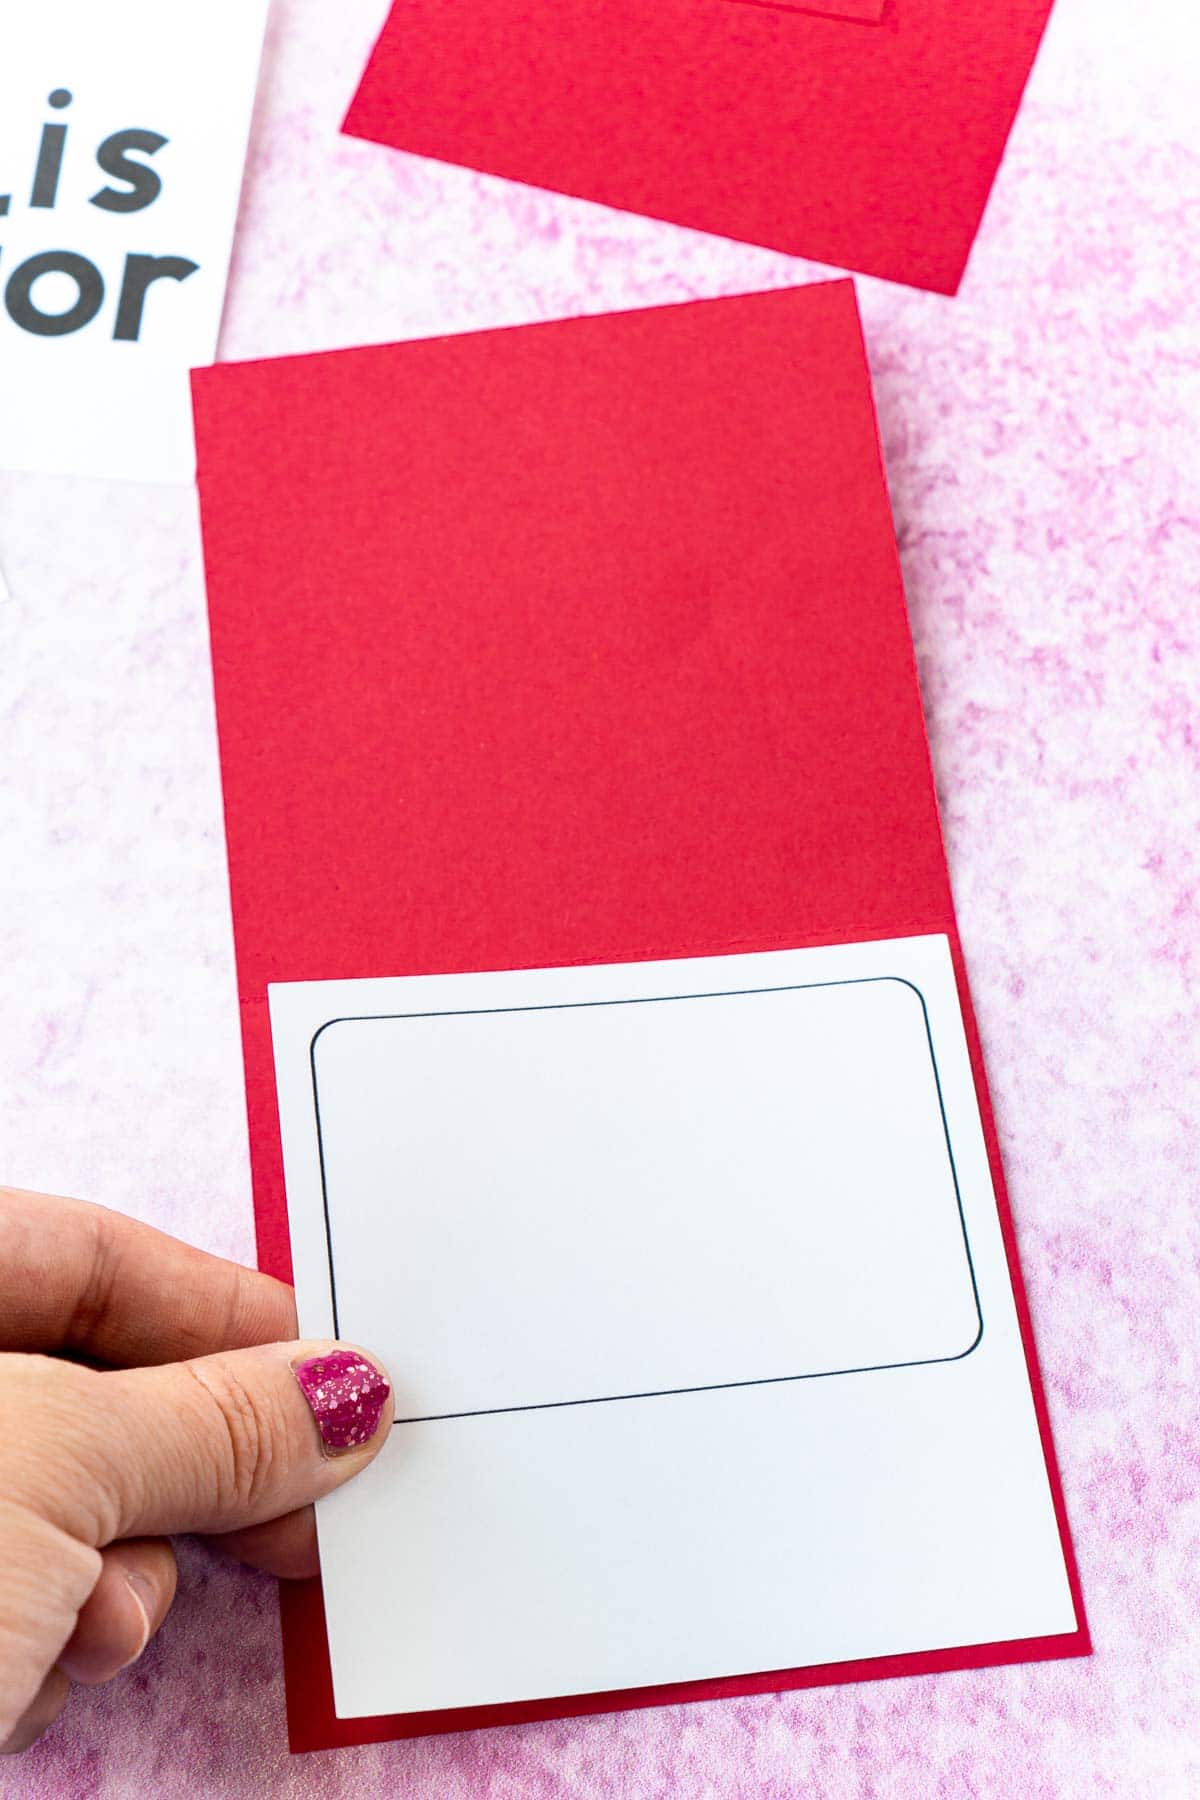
[144, 185]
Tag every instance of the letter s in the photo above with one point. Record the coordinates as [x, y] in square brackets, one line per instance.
[144, 185]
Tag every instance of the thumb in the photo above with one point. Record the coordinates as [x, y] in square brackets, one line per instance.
[222, 1442]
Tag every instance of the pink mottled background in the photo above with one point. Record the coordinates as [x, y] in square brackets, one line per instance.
[1043, 441]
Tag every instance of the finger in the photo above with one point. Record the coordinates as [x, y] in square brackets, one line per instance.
[50, 1699]
[284, 1547]
[48, 1575]
[213, 1445]
[123, 1610]
[79, 1277]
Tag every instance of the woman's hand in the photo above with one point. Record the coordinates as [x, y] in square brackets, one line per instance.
[196, 1414]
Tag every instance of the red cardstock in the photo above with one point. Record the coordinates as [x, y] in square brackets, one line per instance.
[863, 133]
[572, 643]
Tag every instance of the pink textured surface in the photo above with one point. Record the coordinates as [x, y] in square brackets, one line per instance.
[1043, 444]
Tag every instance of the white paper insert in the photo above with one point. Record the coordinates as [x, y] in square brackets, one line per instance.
[122, 138]
[690, 1280]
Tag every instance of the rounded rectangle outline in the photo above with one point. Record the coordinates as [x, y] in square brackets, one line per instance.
[654, 1000]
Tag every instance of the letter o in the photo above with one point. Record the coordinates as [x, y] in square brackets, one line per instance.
[18, 295]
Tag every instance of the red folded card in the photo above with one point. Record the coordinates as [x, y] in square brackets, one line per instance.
[857, 133]
[572, 644]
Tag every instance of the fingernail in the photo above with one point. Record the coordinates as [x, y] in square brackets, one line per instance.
[347, 1396]
[146, 1600]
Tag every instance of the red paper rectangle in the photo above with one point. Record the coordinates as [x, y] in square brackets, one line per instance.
[574, 643]
[870, 143]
